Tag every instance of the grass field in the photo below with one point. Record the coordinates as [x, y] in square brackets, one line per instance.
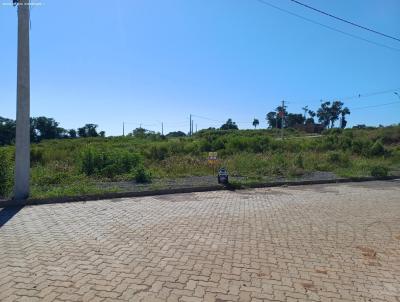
[76, 166]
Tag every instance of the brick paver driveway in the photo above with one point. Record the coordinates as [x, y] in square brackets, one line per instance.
[309, 243]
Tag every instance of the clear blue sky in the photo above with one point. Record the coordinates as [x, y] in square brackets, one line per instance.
[145, 62]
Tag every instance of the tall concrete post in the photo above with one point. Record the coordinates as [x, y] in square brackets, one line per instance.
[22, 139]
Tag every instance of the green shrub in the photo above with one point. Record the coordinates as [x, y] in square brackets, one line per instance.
[108, 163]
[329, 142]
[158, 152]
[377, 149]
[36, 155]
[379, 171]
[142, 176]
[361, 146]
[345, 142]
[5, 173]
[390, 135]
[334, 157]
[337, 158]
[52, 175]
[218, 144]
[205, 146]
[299, 161]
[333, 131]
[88, 161]
[237, 144]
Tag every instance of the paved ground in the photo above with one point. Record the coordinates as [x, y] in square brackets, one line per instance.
[310, 243]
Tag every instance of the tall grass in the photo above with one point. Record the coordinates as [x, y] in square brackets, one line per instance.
[66, 166]
[6, 173]
[108, 162]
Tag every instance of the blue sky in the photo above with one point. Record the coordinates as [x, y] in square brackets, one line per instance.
[144, 62]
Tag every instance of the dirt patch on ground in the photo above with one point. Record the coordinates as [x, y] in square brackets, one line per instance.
[202, 181]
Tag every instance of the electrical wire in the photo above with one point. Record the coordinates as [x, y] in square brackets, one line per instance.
[346, 21]
[378, 105]
[356, 96]
[328, 27]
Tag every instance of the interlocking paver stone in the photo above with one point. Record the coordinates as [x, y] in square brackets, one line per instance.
[308, 243]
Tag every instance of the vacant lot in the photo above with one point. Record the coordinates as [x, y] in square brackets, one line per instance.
[95, 165]
[319, 243]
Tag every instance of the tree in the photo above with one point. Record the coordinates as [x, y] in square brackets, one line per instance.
[310, 119]
[293, 119]
[139, 132]
[7, 131]
[271, 119]
[256, 122]
[142, 133]
[72, 133]
[89, 130]
[176, 134]
[102, 134]
[329, 113]
[229, 125]
[336, 110]
[275, 118]
[343, 122]
[305, 109]
[360, 126]
[324, 114]
[34, 134]
[47, 128]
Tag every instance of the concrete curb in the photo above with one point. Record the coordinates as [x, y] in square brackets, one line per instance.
[83, 198]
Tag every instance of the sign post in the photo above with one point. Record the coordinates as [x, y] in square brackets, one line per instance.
[212, 160]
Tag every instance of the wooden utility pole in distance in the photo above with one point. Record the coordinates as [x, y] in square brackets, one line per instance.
[282, 118]
[22, 137]
[190, 125]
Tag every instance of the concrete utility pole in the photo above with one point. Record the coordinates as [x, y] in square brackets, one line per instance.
[22, 138]
[162, 128]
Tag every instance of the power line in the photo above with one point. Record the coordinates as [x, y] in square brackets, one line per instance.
[356, 96]
[327, 26]
[364, 95]
[206, 118]
[346, 21]
[374, 106]
[219, 121]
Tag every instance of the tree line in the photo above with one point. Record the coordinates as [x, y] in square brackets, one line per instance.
[327, 115]
[45, 128]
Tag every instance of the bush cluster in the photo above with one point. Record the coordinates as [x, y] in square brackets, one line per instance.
[109, 163]
[360, 146]
[142, 175]
[338, 158]
[6, 173]
[379, 171]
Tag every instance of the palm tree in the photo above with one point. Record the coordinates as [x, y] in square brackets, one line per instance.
[305, 109]
[256, 122]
